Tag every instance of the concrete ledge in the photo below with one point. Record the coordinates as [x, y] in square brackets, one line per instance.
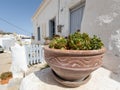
[43, 80]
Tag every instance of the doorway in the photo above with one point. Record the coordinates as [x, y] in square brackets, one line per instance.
[52, 27]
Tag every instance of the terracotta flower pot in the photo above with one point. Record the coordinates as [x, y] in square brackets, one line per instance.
[46, 42]
[73, 64]
[5, 81]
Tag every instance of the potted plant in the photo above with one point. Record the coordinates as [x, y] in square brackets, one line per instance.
[5, 77]
[47, 40]
[75, 57]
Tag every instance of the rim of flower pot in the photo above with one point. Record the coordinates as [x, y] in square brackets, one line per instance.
[77, 52]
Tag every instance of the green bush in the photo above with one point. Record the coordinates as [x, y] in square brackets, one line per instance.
[77, 41]
[5, 75]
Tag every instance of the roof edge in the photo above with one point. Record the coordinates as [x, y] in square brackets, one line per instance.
[40, 8]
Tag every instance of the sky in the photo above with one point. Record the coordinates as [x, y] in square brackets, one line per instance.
[16, 15]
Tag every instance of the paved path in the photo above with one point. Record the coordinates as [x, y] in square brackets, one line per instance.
[5, 62]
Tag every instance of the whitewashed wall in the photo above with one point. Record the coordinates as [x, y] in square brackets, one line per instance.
[7, 43]
[1, 42]
[101, 17]
[50, 11]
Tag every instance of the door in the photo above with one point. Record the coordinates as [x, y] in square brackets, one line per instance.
[76, 15]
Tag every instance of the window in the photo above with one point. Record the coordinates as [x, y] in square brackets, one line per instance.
[38, 32]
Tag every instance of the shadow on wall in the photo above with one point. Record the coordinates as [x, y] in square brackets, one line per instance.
[115, 76]
[112, 63]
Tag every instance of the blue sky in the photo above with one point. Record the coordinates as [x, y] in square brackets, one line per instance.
[19, 13]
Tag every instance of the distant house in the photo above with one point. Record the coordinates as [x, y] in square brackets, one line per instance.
[62, 17]
[7, 41]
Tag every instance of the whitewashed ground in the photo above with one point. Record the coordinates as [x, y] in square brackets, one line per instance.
[13, 84]
[43, 80]
[3, 87]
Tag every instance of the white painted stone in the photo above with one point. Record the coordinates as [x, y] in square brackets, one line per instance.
[43, 80]
[19, 61]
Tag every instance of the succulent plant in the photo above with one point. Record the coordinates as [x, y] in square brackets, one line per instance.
[58, 43]
[96, 43]
[77, 41]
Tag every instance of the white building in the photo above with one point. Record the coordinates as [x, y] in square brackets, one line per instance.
[99, 17]
[7, 41]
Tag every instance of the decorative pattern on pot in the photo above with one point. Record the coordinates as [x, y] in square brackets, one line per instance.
[76, 62]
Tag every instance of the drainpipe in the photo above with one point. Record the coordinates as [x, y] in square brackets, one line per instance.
[58, 10]
[59, 27]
